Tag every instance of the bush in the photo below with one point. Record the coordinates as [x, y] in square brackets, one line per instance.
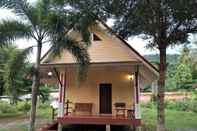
[149, 105]
[7, 108]
[183, 105]
[194, 106]
[44, 105]
[23, 106]
[170, 105]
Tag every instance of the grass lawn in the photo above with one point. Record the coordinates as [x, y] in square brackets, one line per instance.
[175, 120]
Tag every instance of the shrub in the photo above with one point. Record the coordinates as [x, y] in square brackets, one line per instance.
[23, 106]
[149, 105]
[170, 105]
[7, 108]
[183, 105]
[44, 105]
[193, 106]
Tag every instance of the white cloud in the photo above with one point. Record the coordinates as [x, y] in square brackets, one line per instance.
[22, 44]
[7, 14]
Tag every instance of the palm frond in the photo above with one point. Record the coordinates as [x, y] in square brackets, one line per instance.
[77, 50]
[39, 15]
[11, 30]
[85, 20]
[20, 7]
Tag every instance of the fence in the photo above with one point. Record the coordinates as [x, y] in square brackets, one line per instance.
[146, 97]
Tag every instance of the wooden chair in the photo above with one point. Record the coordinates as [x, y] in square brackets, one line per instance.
[120, 108]
[131, 113]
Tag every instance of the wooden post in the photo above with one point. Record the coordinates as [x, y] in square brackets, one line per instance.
[108, 128]
[60, 109]
[62, 88]
[137, 93]
[67, 106]
[60, 127]
[154, 90]
[53, 113]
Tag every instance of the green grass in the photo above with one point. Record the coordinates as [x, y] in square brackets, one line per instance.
[7, 115]
[44, 112]
[174, 119]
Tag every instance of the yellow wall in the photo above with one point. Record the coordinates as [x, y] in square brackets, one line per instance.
[122, 87]
[109, 49]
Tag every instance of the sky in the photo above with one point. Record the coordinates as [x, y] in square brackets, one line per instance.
[136, 42]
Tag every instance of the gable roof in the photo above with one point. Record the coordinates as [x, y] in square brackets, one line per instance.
[137, 56]
[135, 51]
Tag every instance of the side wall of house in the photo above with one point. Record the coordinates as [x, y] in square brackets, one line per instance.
[88, 92]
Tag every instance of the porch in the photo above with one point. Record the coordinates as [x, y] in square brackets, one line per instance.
[98, 120]
[109, 96]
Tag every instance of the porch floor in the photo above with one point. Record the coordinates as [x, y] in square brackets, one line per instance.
[98, 120]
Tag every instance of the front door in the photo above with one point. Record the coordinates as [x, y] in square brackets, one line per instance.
[105, 98]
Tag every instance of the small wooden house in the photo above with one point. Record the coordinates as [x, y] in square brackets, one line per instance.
[110, 95]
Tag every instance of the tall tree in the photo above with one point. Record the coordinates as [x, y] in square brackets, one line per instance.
[166, 22]
[46, 24]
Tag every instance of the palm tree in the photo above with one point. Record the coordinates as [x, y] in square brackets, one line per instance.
[47, 24]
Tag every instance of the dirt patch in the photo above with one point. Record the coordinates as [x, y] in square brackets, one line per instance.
[20, 123]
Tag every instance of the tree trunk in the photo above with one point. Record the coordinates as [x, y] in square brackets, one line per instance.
[35, 86]
[161, 90]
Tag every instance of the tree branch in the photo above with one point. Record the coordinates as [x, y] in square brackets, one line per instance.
[175, 28]
[191, 30]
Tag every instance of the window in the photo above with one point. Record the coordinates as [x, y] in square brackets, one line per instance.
[96, 38]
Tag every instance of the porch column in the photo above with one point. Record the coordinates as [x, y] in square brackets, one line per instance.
[154, 89]
[62, 88]
[137, 93]
[108, 128]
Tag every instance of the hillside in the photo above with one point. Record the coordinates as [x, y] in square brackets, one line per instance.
[154, 58]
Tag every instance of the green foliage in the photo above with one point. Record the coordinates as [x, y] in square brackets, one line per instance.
[171, 58]
[14, 65]
[23, 106]
[44, 91]
[171, 83]
[146, 17]
[48, 21]
[183, 105]
[147, 88]
[179, 105]
[7, 108]
[12, 30]
[149, 105]
[181, 70]
[183, 75]
[44, 106]
[189, 55]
